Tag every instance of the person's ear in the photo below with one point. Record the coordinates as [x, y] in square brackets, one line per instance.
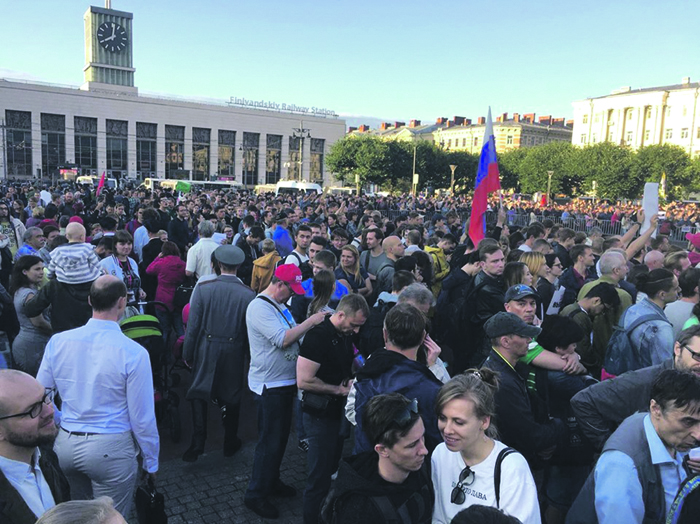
[381, 450]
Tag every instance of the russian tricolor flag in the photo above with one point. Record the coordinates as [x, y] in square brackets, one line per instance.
[487, 181]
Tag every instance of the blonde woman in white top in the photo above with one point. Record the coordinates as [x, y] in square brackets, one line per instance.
[464, 465]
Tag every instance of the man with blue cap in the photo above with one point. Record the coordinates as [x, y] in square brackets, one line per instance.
[215, 346]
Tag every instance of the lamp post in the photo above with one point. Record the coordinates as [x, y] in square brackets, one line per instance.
[453, 167]
[549, 186]
[301, 133]
[415, 176]
[357, 183]
[247, 161]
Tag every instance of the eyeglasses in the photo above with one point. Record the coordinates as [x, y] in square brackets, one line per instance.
[694, 354]
[466, 477]
[403, 417]
[36, 409]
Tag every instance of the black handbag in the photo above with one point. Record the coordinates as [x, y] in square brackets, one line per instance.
[150, 505]
[320, 405]
[183, 294]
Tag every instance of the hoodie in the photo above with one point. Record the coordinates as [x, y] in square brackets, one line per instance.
[359, 491]
[391, 372]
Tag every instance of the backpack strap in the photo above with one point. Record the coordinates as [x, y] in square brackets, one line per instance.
[386, 508]
[641, 320]
[497, 473]
[575, 312]
[366, 261]
[266, 299]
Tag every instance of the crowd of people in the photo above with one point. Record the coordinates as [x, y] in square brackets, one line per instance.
[545, 375]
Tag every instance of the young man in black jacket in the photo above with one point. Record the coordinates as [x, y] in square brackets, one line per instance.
[392, 482]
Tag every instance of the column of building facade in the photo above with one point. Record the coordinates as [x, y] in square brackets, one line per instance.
[238, 154]
[262, 159]
[284, 158]
[213, 153]
[131, 157]
[187, 148]
[306, 160]
[36, 144]
[160, 151]
[70, 138]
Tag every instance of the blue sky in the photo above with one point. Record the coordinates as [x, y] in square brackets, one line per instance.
[386, 59]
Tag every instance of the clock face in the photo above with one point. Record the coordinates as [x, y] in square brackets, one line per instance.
[112, 36]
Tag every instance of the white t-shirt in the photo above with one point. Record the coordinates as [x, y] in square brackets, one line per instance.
[518, 491]
[296, 258]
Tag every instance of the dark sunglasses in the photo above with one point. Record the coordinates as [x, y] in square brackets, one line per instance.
[466, 477]
[403, 417]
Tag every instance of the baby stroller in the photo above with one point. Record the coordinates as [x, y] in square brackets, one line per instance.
[145, 329]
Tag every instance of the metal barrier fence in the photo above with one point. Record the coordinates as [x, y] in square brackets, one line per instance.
[608, 227]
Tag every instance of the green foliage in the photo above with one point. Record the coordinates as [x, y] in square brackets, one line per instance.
[618, 171]
[610, 166]
[555, 156]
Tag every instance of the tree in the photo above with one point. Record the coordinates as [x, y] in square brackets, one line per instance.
[509, 167]
[652, 161]
[554, 156]
[607, 164]
[366, 156]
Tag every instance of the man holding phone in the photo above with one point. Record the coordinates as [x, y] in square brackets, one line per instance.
[324, 369]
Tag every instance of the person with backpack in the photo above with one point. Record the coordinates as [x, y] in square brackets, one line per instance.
[644, 336]
[471, 466]
[299, 254]
[391, 481]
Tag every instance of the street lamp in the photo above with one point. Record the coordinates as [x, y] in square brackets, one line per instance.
[301, 133]
[549, 186]
[452, 179]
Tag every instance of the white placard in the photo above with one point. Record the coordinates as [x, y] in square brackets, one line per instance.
[650, 204]
[218, 237]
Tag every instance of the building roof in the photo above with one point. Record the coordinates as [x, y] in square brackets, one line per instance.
[674, 87]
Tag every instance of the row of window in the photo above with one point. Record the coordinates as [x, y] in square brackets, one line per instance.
[629, 114]
[668, 135]
[53, 149]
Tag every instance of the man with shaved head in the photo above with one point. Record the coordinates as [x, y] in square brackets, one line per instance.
[75, 262]
[393, 249]
[654, 259]
[106, 384]
[30, 480]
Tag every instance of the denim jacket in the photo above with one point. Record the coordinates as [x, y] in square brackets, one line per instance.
[654, 339]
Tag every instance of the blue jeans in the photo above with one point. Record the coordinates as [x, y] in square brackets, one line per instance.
[275, 408]
[170, 320]
[325, 447]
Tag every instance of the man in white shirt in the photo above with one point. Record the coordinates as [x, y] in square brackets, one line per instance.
[303, 239]
[199, 255]
[30, 480]
[105, 381]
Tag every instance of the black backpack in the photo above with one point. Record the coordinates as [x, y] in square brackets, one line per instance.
[307, 271]
[621, 355]
[371, 335]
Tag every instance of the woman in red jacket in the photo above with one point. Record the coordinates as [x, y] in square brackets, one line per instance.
[170, 270]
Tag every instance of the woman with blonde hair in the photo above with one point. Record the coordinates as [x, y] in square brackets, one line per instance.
[351, 274]
[537, 264]
[465, 464]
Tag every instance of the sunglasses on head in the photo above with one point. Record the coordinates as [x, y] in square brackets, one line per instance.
[403, 417]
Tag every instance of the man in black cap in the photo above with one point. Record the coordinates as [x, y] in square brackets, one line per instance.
[535, 437]
[215, 346]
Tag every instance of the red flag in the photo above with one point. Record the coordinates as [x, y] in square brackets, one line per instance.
[487, 181]
[100, 185]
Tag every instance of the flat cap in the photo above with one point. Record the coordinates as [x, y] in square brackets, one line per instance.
[229, 255]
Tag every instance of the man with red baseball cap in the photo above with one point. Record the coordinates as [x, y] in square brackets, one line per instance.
[274, 340]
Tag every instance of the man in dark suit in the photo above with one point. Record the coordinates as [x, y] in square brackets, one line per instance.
[31, 481]
[149, 253]
[249, 245]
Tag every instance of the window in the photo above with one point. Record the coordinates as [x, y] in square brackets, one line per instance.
[316, 167]
[594, 139]
[227, 154]
[146, 138]
[668, 134]
[585, 119]
[668, 111]
[646, 135]
[18, 143]
[174, 151]
[597, 118]
[476, 141]
[698, 135]
[611, 137]
[273, 159]
[684, 132]
[648, 112]
[449, 143]
[509, 140]
[629, 137]
[583, 139]
[117, 131]
[53, 143]
[251, 145]
[86, 144]
[629, 114]
[201, 138]
[464, 142]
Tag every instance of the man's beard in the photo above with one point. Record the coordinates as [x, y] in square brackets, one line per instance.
[25, 441]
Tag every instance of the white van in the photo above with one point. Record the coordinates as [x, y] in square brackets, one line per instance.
[292, 187]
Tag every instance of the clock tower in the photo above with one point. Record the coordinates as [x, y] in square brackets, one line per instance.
[109, 62]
